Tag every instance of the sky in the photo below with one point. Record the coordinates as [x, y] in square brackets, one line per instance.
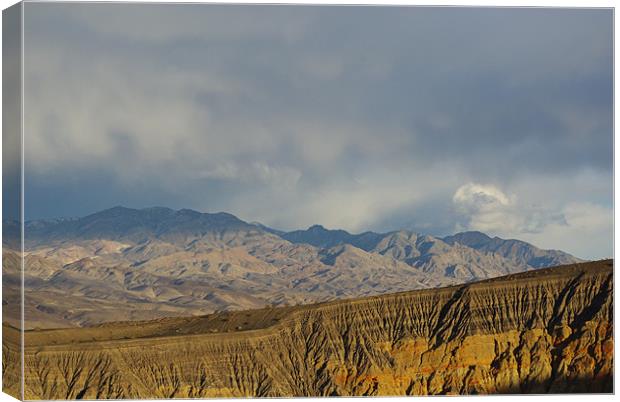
[436, 120]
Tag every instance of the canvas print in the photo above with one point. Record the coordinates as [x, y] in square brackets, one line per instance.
[221, 200]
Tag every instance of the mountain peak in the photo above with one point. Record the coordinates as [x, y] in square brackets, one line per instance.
[518, 251]
[119, 212]
[473, 233]
[157, 209]
[187, 211]
[115, 210]
[138, 225]
[472, 239]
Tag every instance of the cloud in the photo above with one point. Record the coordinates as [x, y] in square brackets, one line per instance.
[582, 227]
[258, 171]
[473, 197]
[354, 117]
[586, 231]
[488, 209]
[218, 22]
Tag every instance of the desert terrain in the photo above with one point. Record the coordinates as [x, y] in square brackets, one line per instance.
[125, 264]
[541, 331]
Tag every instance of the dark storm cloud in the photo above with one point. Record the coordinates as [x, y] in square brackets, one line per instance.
[353, 117]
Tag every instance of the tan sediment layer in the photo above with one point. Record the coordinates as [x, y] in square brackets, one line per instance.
[542, 331]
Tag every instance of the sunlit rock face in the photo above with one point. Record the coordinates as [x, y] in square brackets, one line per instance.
[542, 331]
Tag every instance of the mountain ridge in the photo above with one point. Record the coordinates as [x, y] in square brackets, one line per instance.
[158, 262]
[316, 235]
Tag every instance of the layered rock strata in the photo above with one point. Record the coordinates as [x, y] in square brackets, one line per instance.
[545, 331]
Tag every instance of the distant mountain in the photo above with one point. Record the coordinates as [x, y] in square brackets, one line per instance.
[137, 225]
[413, 248]
[318, 236]
[127, 264]
[268, 229]
[473, 239]
[516, 251]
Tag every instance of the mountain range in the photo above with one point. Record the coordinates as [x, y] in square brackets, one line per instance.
[136, 264]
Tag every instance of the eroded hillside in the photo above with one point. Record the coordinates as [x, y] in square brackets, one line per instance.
[542, 331]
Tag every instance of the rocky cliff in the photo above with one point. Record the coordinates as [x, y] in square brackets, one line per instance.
[542, 331]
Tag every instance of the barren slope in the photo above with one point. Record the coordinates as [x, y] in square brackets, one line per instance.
[128, 264]
[542, 331]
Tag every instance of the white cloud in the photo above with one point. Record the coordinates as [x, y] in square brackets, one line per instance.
[582, 228]
[489, 209]
[472, 196]
[486, 208]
